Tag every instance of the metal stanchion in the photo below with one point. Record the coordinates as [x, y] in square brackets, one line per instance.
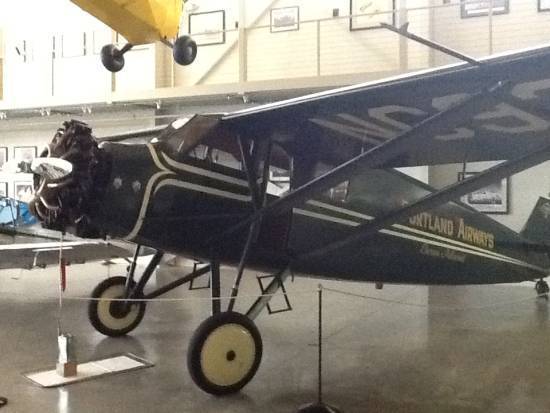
[66, 361]
[319, 406]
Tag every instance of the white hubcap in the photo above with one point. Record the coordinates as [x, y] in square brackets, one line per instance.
[228, 354]
[104, 310]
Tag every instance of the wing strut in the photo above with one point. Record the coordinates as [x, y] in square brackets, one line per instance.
[374, 158]
[404, 31]
[251, 161]
[447, 194]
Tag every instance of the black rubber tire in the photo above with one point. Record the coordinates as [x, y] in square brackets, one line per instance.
[195, 352]
[95, 309]
[542, 289]
[111, 58]
[184, 50]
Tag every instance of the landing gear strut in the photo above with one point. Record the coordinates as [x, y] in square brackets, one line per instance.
[184, 51]
[225, 351]
[542, 288]
[112, 313]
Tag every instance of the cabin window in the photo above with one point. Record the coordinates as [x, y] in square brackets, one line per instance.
[199, 152]
[216, 156]
[339, 193]
[279, 181]
[225, 158]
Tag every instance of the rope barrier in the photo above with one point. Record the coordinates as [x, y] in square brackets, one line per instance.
[288, 293]
[435, 306]
[82, 298]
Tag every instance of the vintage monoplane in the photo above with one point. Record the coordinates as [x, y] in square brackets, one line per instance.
[308, 186]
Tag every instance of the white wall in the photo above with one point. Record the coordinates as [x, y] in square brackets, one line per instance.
[58, 66]
[41, 80]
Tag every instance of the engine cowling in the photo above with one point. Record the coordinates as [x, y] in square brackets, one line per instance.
[67, 203]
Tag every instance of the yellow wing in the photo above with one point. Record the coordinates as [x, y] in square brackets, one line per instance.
[139, 21]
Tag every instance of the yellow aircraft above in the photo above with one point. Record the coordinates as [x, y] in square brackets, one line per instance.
[141, 22]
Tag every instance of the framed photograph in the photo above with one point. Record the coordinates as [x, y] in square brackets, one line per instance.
[207, 28]
[3, 156]
[544, 5]
[375, 11]
[22, 191]
[3, 189]
[284, 19]
[470, 8]
[24, 156]
[492, 199]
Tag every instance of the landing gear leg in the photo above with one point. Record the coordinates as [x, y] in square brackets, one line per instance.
[542, 289]
[225, 351]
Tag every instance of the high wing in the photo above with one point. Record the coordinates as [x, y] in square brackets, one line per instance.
[493, 109]
[503, 111]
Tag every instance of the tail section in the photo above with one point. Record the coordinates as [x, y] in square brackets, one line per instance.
[537, 227]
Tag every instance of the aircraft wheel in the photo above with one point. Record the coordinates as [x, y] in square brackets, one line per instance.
[111, 317]
[542, 289]
[112, 58]
[184, 50]
[224, 353]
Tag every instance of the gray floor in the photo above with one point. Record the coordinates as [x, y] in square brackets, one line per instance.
[456, 349]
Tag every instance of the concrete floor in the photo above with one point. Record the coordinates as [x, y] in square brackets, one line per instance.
[457, 349]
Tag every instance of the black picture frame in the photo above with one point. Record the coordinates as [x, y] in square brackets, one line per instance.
[207, 28]
[478, 8]
[3, 156]
[365, 6]
[22, 190]
[284, 19]
[543, 5]
[492, 199]
[23, 156]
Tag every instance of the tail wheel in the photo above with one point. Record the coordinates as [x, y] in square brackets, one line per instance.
[184, 50]
[113, 318]
[542, 289]
[224, 353]
[112, 58]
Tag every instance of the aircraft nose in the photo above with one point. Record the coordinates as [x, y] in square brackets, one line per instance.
[65, 178]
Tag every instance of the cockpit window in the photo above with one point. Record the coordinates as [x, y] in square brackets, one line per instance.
[338, 193]
[215, 156]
